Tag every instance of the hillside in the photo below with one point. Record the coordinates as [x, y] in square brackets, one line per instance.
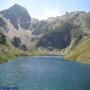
[81, 52]
[18, 16]
[60, 32]
[54, 36]
[7, 50]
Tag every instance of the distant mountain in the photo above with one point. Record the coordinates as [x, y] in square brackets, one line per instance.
[18, 16]
[56, 34]
[64, 31]
[15, 22]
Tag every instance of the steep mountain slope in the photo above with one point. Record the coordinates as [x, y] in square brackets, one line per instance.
[54, 36]
[81, 52]
[34, 23]
[18, 16]
[15, 22]
[58, 39]
[41, 29]
[7, 50]
[64, 31]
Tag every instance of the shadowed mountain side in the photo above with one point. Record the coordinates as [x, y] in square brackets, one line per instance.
[18, 16]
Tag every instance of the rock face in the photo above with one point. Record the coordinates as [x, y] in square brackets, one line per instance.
[15, 22]
[2, 23]
[57, 39]
[18, 16]
[34, 23]
[62, 33]
[41, 29]
[68, 34]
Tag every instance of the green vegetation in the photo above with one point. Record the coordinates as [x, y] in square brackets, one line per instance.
[2, 39]
[8, 51]
[5, 50]
[81, 52]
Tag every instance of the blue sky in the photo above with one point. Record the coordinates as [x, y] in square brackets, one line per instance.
[42, 9]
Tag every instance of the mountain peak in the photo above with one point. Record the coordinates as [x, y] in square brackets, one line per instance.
[16, 4]
[18, 7]
[18, 15]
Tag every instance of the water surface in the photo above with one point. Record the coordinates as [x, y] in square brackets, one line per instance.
[45, 73]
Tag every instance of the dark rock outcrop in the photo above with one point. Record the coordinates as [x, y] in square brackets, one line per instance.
[55, 40]
[3, 24]
[61, 31]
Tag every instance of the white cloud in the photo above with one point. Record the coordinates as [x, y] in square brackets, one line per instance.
[46, 13]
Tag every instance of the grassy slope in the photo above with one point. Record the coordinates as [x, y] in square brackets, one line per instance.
[81, 52]
[8, 52]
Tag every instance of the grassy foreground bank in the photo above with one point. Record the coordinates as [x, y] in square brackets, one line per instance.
[81, 53]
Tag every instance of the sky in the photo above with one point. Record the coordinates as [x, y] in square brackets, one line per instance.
[43, 9]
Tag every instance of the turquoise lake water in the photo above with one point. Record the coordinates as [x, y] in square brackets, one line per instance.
[44, 73]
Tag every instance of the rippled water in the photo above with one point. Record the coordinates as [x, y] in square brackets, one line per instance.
[45, 73]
